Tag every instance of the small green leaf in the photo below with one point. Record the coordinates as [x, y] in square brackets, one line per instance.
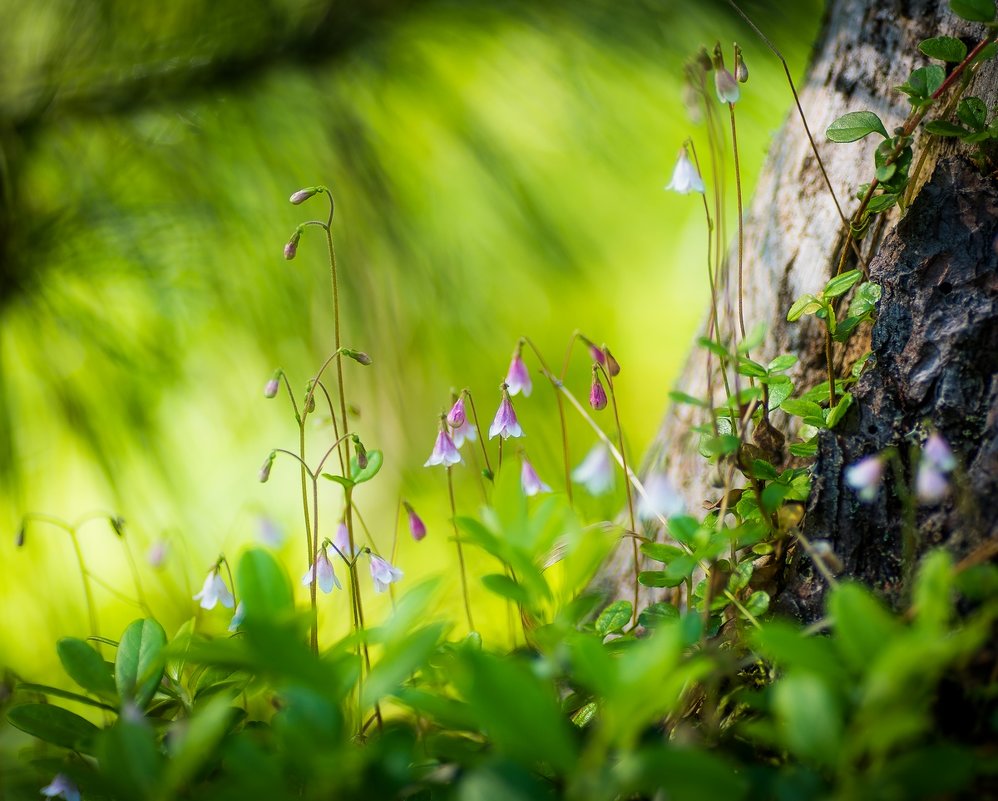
[810, 720]
[779, 393]
[881, 203]
[264, 587]
[973, 112]
[660, 551]
[863, 627]
[865, 300]
[758, 603]
[943, 128]
[805, 304]
[346, 483]
[506, 587]
[374, 461]
[974, 10]
[860, 364]
[614, 617]
[689, 400]
[713, 347]
[886, 172]
[684, 528]
[657, 614]
[944, 48]
[751, 368]
[841, 284]
[53, 724]
[801, 408]
[805, 449]
[836, 413]
[86, 667]
[138, 667]
[923, 82]
[773, 495]
[781, 363]
[854, 126]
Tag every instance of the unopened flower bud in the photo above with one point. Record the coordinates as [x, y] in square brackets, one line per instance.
[612, 365]
[19, 537]
[291, 249]
[272, 386]
[302, 195]
[457, 417]
[703, 59]
[597, 395]
[357, 355]
[117, 525]
[265, 470]
[416, 525]
[310, 397]
[361, 452]
[741, 71]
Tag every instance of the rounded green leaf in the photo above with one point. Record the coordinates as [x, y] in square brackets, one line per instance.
[614, 617]
[854, 126]
[943, 128]
[974, 10]
[841, 284]
[86, 667]
[758, 603]
[973, 112]
[660, 551]
[53, 724]
[138, 667]
[944, 48]
[264, 587]
[657, 614]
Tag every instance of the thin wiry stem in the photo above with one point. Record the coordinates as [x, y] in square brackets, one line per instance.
[460, 551]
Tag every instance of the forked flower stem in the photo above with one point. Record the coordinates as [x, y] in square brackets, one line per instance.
[561, 411]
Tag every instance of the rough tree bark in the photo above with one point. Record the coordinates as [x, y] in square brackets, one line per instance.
[935, 342]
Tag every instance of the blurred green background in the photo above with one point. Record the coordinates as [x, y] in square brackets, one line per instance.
[498, 169]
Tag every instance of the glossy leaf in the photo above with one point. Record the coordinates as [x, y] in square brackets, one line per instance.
[854, 126]
[614, 617]
[139, 663]
[974, 10]
[86, 667]
[53, 724]
[944, 48]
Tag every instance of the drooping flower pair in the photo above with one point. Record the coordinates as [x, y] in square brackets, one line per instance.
[931, 483]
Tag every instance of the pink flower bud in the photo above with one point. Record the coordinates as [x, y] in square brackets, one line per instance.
[416, 525]
[456, 417]
[302, 195]
[597, 395]
[291, 249]
[272, 386]
[612, 365]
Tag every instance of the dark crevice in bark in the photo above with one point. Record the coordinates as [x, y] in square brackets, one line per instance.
[935, 347]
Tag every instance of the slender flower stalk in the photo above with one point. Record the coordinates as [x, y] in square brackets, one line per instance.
[627, 484]
[460, 551]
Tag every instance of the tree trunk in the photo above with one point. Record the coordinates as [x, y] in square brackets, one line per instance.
[935, 343]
